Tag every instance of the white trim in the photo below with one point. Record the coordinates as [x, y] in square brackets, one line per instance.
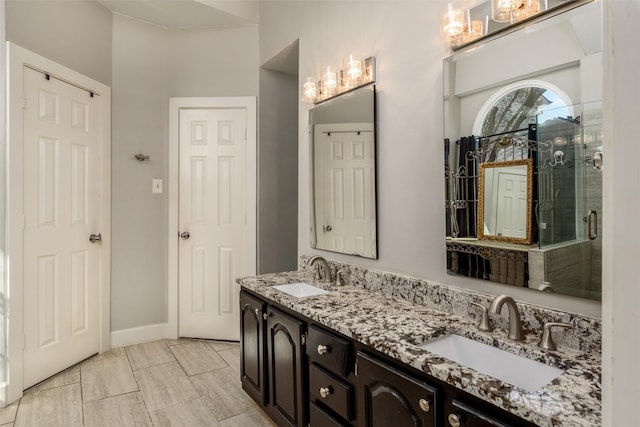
[175, 104]
[17, 58]
[138, 335]
[489, 103]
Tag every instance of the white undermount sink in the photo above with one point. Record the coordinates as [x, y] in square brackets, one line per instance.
[300, 290]
[502, 365]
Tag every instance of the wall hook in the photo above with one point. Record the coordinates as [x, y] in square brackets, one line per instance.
[141, 157]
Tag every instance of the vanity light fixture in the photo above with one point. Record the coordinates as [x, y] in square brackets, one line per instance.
[356, 72]
[479, 19]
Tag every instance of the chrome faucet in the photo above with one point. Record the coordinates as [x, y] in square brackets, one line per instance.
[328, 278]
[515, 324]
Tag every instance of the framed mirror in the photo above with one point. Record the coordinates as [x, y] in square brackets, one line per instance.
[527, 103]
[343, 164]
[505, 201]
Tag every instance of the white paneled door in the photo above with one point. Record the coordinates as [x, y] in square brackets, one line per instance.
[345, 180]
[62, 164]
[212, 220]
[511, 215]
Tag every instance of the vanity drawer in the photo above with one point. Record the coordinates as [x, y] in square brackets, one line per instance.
[318, 417]
[329, 350]
[333, 393]
[463, 414]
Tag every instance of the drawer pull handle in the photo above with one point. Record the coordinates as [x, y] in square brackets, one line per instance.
[325, 392]
[323, 349]
[424, 405]
[454, 420]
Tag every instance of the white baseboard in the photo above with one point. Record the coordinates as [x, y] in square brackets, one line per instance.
[138, 335]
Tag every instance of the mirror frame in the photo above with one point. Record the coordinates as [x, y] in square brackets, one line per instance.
[480, 224]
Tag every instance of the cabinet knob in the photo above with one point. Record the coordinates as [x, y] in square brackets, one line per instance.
[265, 316]
[424, 405]
[258, 312]
[325, 392]
[454, 420]
[323, 349]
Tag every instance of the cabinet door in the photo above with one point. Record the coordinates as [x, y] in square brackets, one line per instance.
[252, 358]
[388, 397]
[286, 370]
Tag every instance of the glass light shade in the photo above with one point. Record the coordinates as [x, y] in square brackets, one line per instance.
[528, 8]
[472, 30]
[329, 82]
[310, 90]
[329, 78]
[505, 10]
[453, 26]
[353, 67]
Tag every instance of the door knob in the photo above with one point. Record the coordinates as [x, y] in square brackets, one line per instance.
[328, 228]
[185, 235]
[325, 392]
[95, 238]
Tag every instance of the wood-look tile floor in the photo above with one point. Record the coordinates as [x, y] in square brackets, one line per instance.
[186, 383]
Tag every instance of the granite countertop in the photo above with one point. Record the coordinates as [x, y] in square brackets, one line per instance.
[395, 327]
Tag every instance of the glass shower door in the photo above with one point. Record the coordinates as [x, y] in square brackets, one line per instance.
[570, 198]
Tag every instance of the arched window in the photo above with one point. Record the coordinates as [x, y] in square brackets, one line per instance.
[515, 106]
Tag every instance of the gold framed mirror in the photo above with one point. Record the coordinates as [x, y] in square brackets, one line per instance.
[505, 199]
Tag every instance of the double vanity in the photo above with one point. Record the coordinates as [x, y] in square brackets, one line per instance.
[387, 350]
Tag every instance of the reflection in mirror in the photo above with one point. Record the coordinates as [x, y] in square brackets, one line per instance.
[534, 97]
[504, 201]
[344, 174]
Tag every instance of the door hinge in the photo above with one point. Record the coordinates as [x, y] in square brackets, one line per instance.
[355, 369]
[303, 338]
[24, 101]
[24, 340]
[24, 222]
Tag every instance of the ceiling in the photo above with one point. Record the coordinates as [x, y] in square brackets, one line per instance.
[180, 14]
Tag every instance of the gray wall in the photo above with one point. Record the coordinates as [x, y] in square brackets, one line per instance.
[219, 62]
[76, 34]
[140, 112]
[150, 65]
[405, 38]
[278, 172]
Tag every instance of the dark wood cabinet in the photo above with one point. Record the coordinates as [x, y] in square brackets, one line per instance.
[287, 398]
[306, 375]
[388, 397]
[252, 361]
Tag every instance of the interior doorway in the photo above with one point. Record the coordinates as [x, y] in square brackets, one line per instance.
[212, 213]
[58, 218]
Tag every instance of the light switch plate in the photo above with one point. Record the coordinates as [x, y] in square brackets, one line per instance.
[156, 186]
